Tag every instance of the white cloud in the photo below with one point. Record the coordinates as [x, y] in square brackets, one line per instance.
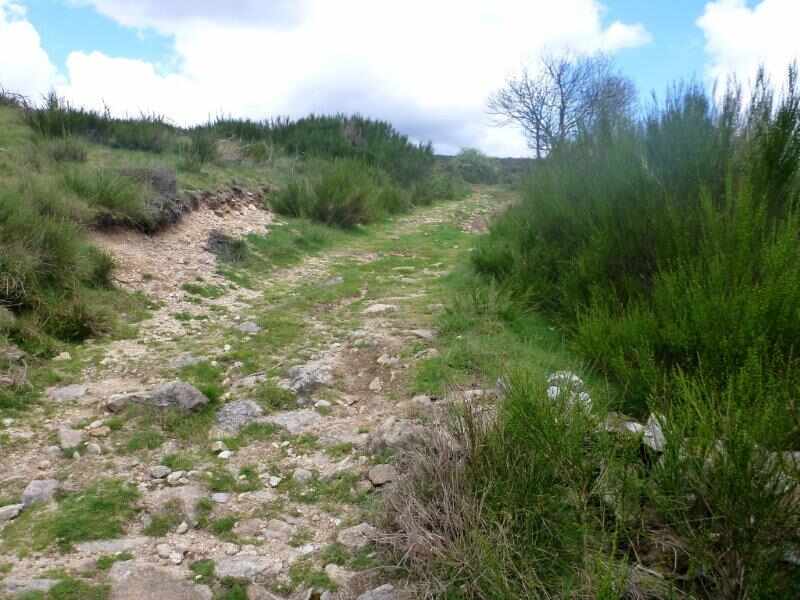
[739, 38]
[168, 16]
[426, 66]
[24, 66]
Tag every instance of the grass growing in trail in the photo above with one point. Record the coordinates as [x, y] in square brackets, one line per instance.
[70, 588]
[284, 246]
[165, 520]
[98, 512]
[104, 563]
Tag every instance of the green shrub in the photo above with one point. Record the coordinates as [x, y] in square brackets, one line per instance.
[56, 118]
[46, 265]
[473, 166]
[200, 149]
[294, 200]
[650, 240]
[375, 143]
[345, 194]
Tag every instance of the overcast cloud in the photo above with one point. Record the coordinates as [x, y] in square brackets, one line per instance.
[426, 66]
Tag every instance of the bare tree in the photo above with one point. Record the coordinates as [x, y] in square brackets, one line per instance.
[564, 95]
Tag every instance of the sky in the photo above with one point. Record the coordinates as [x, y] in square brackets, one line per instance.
[428, 66]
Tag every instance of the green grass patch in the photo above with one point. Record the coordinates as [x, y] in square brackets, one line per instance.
[208, 291]
[165, 520]
[104, 563]
[98, 512]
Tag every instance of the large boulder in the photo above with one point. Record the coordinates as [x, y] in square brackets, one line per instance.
[304, 379]
[132, 581]
[67, 393]
[177, 394]
[247, 567]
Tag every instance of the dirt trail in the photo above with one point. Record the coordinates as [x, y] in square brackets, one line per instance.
[343, 329]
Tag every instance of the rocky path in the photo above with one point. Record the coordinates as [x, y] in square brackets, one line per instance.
[266, 463]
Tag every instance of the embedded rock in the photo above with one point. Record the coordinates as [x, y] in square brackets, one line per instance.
[67, 393]
[177, 394]
[235, 415]
[39, 490]
[358, 536]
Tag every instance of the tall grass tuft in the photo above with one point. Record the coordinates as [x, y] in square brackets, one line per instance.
[56, 118]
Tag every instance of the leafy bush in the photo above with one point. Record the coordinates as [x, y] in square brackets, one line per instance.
[475, 167]
[650, 240]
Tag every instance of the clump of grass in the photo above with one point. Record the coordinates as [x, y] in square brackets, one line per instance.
[67, 149]
[181, 461]
[222, 526]
[199, 150]
[47, 268]
[204, 570]
[204, 291]
[69, 588]
[205, 377]
[165, 520]
[272, 397]
[104, 563]
[147, 439]
[345, 195]
[114, 198]
[222, 480]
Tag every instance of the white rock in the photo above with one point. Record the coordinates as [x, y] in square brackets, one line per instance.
[69, 438]
[382, 474]
[163, 550]
[159, 471]
[376, 385]
[654, 434]
[220, 497]
[225, 454]
[274, 481]
[182, 528]
[175, 477]
[376, 309]
[10, 512]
